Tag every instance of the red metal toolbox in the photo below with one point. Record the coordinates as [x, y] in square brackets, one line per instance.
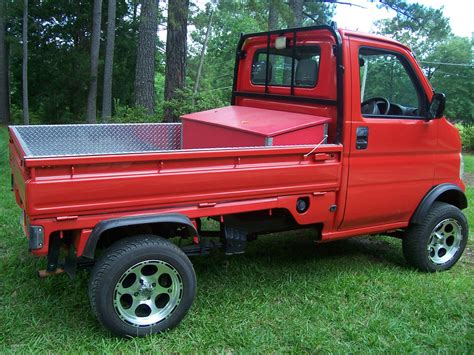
[240, 126]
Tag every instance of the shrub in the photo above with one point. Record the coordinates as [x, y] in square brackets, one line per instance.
[16, 116]
[186, 102]
[127, 114]
[467, 136]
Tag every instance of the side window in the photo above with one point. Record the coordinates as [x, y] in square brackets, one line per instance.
[386, 87]
[306, 66]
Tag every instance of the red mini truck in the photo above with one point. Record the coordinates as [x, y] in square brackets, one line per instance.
[327, 129]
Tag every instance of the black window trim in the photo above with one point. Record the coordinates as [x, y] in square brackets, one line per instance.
[422, 97]
[267, 51]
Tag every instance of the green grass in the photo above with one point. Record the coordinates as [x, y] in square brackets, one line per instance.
[284, 294]
[468, 163]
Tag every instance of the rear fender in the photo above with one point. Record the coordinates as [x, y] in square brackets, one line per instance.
[100, 228]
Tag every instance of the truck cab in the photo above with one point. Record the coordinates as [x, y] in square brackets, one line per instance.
[327, 129]
[396, 145]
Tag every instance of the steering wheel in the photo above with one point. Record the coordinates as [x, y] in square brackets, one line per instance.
[375, 106]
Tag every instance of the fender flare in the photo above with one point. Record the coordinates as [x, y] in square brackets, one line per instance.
[105, 225]
[449, 193]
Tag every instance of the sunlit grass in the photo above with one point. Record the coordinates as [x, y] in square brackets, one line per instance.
[284, 294]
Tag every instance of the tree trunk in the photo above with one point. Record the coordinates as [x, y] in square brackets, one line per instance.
[146, 50]
[135, 10]
[297, 9]
[175, 72]
[203, 53]
[4, 85]
[272, 15]
[109, 62]
[95, 47]
[135, 4]
[26, 114]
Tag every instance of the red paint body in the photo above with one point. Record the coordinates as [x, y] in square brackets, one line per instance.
[374, 190]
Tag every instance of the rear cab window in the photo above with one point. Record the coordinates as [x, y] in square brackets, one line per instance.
[281, 69]
[300, 76]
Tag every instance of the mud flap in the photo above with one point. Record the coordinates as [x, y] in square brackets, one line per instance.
[235, 240]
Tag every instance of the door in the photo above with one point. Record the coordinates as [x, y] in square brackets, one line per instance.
[392, 153]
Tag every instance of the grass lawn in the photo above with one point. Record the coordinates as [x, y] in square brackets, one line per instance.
[284, 294]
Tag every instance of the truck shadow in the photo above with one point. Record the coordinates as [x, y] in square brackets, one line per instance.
[294, 249]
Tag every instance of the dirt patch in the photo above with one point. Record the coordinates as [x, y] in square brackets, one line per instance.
[469, 179]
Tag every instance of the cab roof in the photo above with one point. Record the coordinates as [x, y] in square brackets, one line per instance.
[350, 33]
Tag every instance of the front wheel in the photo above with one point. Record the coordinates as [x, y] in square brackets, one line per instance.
[439, 241]
[142, 285]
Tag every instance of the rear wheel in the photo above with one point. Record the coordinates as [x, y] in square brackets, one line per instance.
[439, 241]
[142, 285]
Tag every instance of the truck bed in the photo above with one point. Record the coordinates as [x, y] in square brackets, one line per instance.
[97, 139]
[90, 172]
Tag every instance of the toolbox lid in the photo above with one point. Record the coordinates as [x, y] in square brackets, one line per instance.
[256, 120]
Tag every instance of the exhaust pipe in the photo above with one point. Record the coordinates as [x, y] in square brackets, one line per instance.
[45, 273]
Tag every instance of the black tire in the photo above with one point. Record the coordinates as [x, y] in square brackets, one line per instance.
[131, 263]
[429, 251]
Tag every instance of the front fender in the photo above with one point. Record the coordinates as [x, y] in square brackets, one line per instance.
[448, 193]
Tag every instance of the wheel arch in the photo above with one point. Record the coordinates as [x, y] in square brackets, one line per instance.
[155, 221]
[448, 193]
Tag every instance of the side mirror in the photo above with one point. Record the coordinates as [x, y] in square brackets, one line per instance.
[437, 105]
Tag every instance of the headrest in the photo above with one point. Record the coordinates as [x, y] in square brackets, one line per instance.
[259, 71]
[306, 71]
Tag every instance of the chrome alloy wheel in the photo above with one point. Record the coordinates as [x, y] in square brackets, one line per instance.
[147, 293]
[445, 241]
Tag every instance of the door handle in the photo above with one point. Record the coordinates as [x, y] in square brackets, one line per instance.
[322, 156]
[362, 137]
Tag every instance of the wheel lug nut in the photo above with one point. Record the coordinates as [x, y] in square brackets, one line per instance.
[153, 284]
[135, 294]
[169, 290]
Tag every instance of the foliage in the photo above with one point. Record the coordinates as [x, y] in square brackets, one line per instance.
[59, 45]
[231, 18]
[421, 27]
[456, 81]
[17, 116]
[315, 13]
[467, 136]
[187, 102]
[59, 42]
[130, 114]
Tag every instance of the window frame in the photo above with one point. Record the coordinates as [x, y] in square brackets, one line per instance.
[423, 101]
[294, 49]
